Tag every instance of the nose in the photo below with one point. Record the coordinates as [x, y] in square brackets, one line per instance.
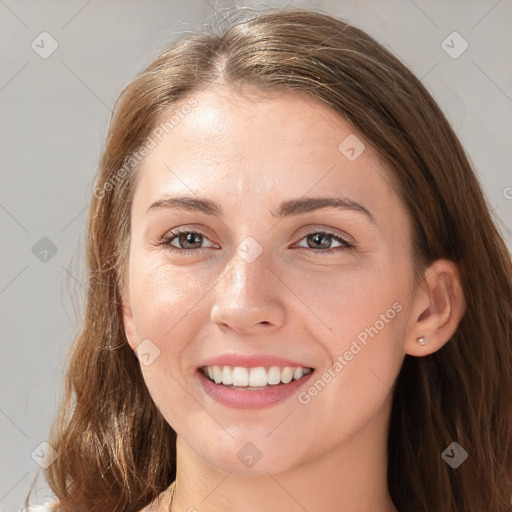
[249, 298]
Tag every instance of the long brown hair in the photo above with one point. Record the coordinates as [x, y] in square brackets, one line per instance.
[107, 460]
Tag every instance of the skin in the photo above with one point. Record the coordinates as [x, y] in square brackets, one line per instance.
[249, 154]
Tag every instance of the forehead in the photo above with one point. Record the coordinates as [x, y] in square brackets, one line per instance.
[247, 148]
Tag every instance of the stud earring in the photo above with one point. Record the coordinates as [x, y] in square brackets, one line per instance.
[421, 341]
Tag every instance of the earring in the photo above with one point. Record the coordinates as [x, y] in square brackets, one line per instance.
[421, 341]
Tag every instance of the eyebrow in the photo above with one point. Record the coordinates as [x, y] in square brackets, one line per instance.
[286, 209]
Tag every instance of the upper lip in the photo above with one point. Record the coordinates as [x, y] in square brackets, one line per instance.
[251, 361]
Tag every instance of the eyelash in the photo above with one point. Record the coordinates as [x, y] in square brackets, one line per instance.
[166, 240]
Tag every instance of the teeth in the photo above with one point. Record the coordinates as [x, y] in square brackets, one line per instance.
[298, 373]
[217, 374]
[274, 376]
[287, 375]
[240, 376]
[227, 375]
[258, 377]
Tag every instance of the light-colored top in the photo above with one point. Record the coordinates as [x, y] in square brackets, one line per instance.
[38, 508]
[154, 505]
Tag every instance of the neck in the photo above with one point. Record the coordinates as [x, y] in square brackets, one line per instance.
[351, 477]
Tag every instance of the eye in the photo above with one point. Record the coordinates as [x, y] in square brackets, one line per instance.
[319, 241]
[188, 241]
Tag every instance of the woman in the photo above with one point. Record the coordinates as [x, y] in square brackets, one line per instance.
[298, 299]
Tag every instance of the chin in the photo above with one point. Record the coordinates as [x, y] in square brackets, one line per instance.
[251, 458]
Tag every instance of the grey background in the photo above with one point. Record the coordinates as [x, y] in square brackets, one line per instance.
[54, 117]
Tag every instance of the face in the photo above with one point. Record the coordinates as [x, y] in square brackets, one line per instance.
[255, 275]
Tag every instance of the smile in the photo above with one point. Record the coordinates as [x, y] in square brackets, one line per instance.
[239, 377]
[258, 387]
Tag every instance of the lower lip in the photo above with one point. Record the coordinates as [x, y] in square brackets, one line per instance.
[251, 399]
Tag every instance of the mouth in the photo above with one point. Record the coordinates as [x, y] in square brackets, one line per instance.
[256, 378]
[241, 387]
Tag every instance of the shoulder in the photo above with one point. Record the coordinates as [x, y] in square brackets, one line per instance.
[49, 507]
[163, 501]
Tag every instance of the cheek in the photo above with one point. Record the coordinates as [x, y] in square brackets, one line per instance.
[360, 302]
[364, 355]
[165, 302]
[365, 310]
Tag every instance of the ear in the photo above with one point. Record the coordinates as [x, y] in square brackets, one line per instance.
[438, 306]
[128, 321]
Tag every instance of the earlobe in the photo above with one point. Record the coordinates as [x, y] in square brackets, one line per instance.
[438, 307]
